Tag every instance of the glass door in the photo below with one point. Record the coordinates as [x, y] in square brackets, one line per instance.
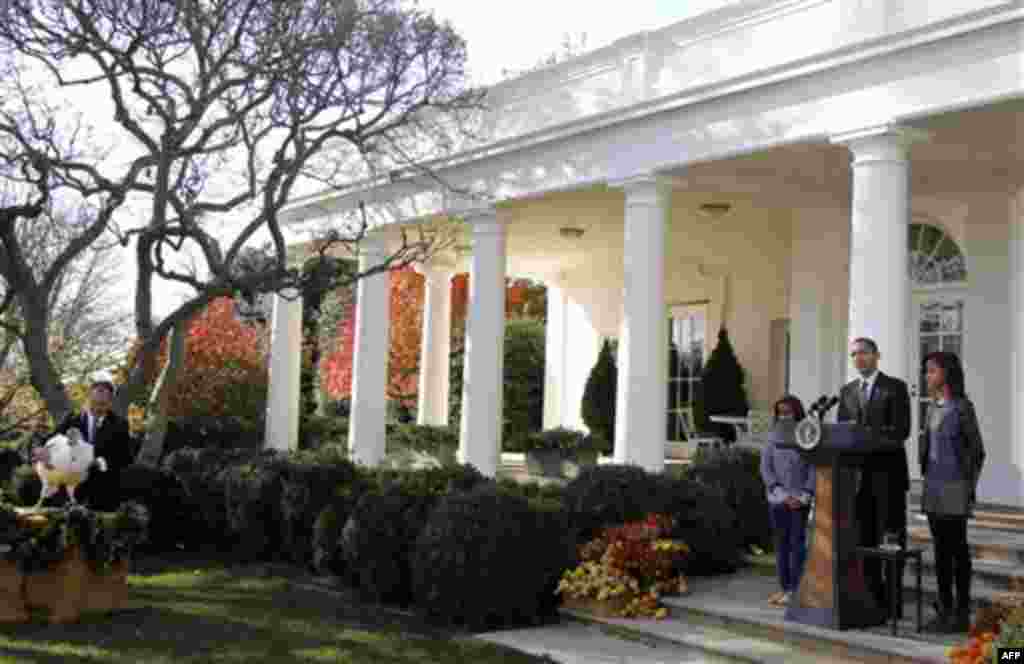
[938, 325]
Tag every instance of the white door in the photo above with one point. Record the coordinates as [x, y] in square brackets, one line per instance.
[938, 325]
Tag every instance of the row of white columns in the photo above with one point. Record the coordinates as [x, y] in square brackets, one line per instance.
[878, 308]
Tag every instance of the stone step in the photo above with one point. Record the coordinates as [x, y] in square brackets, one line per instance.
[738, 603]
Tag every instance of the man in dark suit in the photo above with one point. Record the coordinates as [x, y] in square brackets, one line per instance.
[883, 403]
[111, 439]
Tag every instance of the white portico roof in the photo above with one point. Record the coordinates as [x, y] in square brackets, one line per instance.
[748, 82]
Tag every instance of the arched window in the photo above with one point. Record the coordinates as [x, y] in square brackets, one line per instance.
[935, 257]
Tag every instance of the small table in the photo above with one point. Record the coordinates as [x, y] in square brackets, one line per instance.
[893, 557]
[741, 424]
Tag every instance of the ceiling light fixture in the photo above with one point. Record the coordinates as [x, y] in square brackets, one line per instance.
[715, 210]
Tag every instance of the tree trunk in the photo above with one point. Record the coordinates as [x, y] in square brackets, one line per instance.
[156, 428]
[44, 376]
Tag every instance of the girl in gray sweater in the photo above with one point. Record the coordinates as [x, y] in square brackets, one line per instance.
[789, 482]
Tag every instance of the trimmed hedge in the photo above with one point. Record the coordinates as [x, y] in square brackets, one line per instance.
[488, 559]
[611, 494]
[736, 472]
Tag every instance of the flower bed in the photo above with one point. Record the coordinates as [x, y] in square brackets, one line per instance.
[625, 570]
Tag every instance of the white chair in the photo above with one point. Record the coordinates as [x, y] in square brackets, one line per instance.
[759, 423]
[695, 438]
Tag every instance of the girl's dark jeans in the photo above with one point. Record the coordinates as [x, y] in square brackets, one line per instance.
[790, 528]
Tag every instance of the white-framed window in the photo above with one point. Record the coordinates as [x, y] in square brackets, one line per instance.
[687, 340]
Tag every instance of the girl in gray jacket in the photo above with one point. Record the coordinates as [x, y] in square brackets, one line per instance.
[789, 482]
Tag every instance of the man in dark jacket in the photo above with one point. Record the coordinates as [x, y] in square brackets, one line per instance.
[111, 439]
[883, 403]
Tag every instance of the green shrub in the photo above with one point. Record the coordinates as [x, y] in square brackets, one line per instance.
[560, 438]
[523, 392]
[377, 539]
[598, 407]
[610, 495]
[326, 544]
[252, 501]
[173, 521]
[25, 486]
[722, 391]
[316, 431]
[706, 522]
[736, 472]
[379, 534]
[201, 473]
[310, 483]
[441, 442]
[487, 559]
[204, 432]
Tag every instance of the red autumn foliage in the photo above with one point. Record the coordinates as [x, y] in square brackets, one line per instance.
[225, 370]
[407, 294]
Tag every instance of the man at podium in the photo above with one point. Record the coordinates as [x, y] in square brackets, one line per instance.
[882, 403]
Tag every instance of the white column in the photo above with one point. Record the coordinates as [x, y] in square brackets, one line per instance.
[282, 415]
[1004, 475]
[555, 355]
[435, 344]
[880, 213]
[582, 346]
[818, 357]
[640, 416]
[366, 433]
[482, 379]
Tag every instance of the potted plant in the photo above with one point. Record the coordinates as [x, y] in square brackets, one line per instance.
[559, 452]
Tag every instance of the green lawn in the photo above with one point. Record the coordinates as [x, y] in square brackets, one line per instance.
[187, 614]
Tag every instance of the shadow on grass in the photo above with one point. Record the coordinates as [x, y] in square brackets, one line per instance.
[216, 615]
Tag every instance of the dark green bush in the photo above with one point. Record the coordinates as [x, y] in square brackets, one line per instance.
[487, 559]
[201, 473]
[316, 431]
[377, 539]
[310, 482]
[561, 438]
[440, 442]
[204, 432]
[610, 495]
[706, 522]
[252, 500]
[736, 472]
[598, 406]
[523, 393]
[722, 391]
[327, 555]
[378, 536]
[24, 486]
[173, 521]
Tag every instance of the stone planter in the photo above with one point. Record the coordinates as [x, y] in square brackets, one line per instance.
[556, 463]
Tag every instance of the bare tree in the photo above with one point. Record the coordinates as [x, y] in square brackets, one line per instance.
[223, 110]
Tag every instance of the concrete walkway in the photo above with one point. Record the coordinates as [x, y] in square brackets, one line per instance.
[575, 642]
[723, 619]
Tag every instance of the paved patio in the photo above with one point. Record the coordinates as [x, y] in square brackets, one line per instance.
[740, 601]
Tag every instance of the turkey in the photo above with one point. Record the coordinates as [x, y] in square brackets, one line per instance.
[65, 461]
